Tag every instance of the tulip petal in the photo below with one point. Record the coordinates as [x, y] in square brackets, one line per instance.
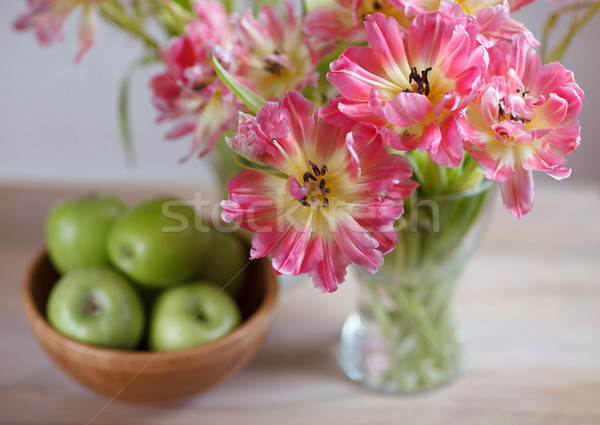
[517, 193]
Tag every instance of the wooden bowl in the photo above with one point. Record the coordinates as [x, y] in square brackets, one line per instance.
[145, 377]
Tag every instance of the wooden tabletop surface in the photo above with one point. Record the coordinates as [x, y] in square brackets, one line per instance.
[528, 306]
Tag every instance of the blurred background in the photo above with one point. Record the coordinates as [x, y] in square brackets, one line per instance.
[59, 122]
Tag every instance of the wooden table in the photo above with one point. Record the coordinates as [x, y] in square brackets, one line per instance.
[528, 306]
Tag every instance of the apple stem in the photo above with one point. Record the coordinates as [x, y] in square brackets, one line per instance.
[127, 252]
[92, 307]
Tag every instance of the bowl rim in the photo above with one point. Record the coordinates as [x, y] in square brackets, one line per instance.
[264, 308]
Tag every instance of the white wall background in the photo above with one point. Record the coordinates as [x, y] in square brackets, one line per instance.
[58, 121]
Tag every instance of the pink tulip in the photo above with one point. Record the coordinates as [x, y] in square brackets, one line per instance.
[524, 119]
[414, 85]
[272, 53]
[324, 206]
[189, 90]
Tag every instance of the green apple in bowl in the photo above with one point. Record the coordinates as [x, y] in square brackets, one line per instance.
[191, 314]
[76, 231]
[226, 264]
[159, 242]
[97, 306]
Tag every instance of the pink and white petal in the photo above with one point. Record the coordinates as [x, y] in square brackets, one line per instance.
[297, 191]
[491, 18]
[403, 189]
[547, 79]
[87, 31]
[488, 105]
[212, 14]
[368, 145]
[357, 244]
[358, 112]
[448, 149]
[330, 139]
[574, 97]
[275, 22]
[468, 84]
[507, 130]
[405, 110]
[430, 133]
[331, 113]
[353, 168]
[335, 23]
[455, 53]
[355, 72]
[497, 160]
[504, 56]
[449, 101]
[387, 240]
[270, 122]
[517, 193]
[50, 26]
[386, 38]
[560, 173]
[509, 30]
[330, 272]
[541, 159]
[29, 12]
[451, 9]
[375, 170]
[181, 130]
[427, 36]
[164, 87]
[297, 251]
[183, 51]
[551, 114]
[431, 136]
[382, 178]
[249, 140]
[413, 7]
[381, 224]
[256, 201]
[298, 112]
[379, 215]
[563, 140]
[393, 139]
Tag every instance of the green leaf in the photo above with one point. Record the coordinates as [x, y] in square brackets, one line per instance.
[253, 101]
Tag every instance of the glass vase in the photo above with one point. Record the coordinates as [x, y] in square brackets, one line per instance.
[402, 337]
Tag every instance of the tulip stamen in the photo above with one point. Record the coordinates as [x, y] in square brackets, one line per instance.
[422, 80]
[511, 116]
[273, 67]
[317, 191]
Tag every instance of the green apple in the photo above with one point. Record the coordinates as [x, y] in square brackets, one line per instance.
[159, 242]
[97, 306]
[191, 314]
[226, 265]
[76, 231]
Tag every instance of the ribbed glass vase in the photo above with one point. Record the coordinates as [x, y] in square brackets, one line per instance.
[402, 337]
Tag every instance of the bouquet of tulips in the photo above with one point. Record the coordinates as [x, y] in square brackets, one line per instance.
[338, 111]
